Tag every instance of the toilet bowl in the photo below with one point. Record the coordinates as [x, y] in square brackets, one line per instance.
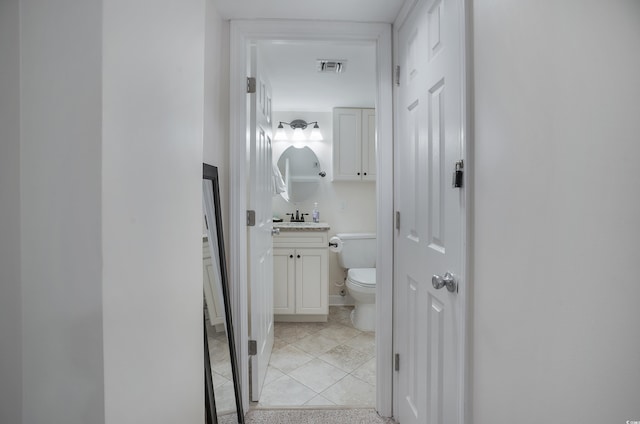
[357, 254]
[361, 283]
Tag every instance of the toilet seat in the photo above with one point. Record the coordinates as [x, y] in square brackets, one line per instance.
[362, 277]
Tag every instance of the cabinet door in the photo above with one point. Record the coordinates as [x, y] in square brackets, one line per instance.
[347, 150]
[284, 281]
[311, 281]
[369, 144]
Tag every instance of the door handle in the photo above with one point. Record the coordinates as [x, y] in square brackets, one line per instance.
[448, 280]
[275, 231]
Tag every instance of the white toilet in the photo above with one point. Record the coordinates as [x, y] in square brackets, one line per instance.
[358, 255]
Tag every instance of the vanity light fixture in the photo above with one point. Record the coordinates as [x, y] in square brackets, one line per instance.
[298, 126]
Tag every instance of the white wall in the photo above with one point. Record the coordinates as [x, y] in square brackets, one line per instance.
[10, 297]
[61, 211]
[557, 257]
[153, 73]
[348, 207]
[216, 103]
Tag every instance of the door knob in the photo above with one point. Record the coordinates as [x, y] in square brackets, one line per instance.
[275, 231]
[448, 280]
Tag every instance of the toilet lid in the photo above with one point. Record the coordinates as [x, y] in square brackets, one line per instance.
[365, 277]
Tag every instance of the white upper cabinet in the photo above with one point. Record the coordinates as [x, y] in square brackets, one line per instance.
[354, 144]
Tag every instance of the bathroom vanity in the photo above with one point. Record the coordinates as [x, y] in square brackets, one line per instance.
[301, 272]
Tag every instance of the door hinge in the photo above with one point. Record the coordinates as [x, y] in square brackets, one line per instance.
[397, 75]
[397, 220]
[251, 85]
[253, 348]
[396, 362]
[251, 218]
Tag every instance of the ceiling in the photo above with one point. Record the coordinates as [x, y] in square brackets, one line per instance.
[330, 10]
[298, 86]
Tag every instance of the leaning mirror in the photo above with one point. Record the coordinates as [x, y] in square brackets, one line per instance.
[301, 172]
[222, 386]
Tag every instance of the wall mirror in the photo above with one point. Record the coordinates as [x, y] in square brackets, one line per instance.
[301, 172]
[223, 401]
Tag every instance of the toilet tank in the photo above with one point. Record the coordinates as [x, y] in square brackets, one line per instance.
[358, 250]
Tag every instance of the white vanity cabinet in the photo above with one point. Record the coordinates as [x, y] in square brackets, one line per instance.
[354, 144]
[300, 277]
[210, 276]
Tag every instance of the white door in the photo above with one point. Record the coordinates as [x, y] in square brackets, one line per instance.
[430, 238]
[260, 256]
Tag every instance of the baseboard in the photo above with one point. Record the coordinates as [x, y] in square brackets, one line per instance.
[336, 299]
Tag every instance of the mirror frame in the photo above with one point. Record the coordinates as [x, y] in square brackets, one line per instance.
[210, 172]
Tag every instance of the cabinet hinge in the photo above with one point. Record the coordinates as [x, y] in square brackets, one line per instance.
[397, 75]
[251, 85]
[397, 220]
[253, 348]
[396, 362]
[251, 218]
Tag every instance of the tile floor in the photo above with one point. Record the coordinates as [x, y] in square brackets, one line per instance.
[223, 388]
[326, 364]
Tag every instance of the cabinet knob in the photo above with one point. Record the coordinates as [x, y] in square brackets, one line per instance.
[358, 173]
[365, 173]
[298, 256]
[291, 256]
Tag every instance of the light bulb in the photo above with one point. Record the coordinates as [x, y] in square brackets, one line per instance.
[316, 135]
[298, 135]
[280, 135]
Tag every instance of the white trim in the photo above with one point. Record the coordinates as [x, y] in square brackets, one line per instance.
[465, 295]
[339, 300]
[241, 33]
[466, 326]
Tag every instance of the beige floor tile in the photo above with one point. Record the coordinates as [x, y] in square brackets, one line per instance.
[346, 358]
[218, 379]
[352, 392]
[272, 375]
[367, 372]
[317, 375]
[340, 333]
[312, 327]
[285, 391]
[278, 343]
[223, 368]
[365, 342]
[340, 315]
[289, 358]
[319, 401]
[225, 398]
[289, 332]
[316, 344]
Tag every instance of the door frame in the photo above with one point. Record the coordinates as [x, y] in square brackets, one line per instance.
[466, 277]
[242, 34]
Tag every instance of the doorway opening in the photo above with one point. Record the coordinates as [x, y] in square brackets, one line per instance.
[318, 358]
[376, 37]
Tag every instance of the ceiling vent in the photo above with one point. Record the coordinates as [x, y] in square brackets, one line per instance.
[332, 66]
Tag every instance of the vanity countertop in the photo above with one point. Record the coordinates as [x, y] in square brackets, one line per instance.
[301, 226]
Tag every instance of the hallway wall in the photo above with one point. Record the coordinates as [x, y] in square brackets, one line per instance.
[10, 292]
[216, 104]
[153, 85]
[60, 209]
[101, 119]
[557, 261]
